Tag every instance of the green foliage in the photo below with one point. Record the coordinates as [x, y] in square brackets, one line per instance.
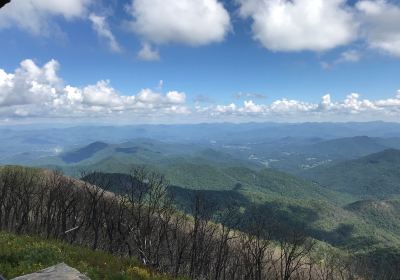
[373, 176]
[327, 211]
[20, 255]
[384, 214]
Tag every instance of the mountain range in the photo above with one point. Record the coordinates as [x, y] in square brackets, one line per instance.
[340, 183]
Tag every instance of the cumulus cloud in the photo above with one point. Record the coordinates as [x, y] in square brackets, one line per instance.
[251, 107]
[102, 28]
[35, 15]
[231, 108]
[147, 53]
[297, 25]
[291, 106]
[191, 22]
[175, 97]
[38, 91]
[320, 25]
[29, 84]
[380, 25]
[353, 107]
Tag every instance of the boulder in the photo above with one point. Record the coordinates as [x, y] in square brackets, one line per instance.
[58, 272]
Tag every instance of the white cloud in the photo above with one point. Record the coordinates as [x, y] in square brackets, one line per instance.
[352, 108]
[176, 97]
[231, 108]
[147, 53]
[326, 102]
[349, 56]
[251, 107]
[34, 91]
[381, 25]
[181, 110]
[101, 94]
[35, 15]
[191, 22]
[297, 25]
[29, 84]
[37, 91]
[148, 96]
[291, 106]
[102, 28]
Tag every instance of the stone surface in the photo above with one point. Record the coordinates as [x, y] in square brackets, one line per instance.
[58, 272]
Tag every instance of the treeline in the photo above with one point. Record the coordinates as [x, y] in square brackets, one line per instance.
[142, 221]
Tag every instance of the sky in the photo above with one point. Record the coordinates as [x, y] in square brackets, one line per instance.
[188, 61]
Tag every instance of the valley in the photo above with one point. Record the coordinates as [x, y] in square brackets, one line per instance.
[341, 192]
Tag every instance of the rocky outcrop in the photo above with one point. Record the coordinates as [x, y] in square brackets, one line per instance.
[58, 272]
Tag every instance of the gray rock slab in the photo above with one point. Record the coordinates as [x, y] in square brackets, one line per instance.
[58, 272]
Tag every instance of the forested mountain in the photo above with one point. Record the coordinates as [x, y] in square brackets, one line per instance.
[40, 140]
[141, 222]
[287, 147]
[350, 148]
[345, 198]
[130, 220]
[372, 176]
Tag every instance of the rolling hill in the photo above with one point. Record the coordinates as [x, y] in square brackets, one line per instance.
[294, 155]
[225, 177]
[28, 145]
[373, 176]
[83, 153]
[288, 203]
[384, 214]
[139, 150]
[293, 203]
[347, 148]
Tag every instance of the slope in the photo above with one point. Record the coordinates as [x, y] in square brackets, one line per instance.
[372, 176]
[21, 255]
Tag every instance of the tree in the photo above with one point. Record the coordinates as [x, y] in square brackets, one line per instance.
[294, 249]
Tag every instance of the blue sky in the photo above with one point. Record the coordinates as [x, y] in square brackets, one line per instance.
[279, 57]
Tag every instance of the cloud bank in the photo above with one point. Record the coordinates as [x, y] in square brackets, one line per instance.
[38, 92]
[34, 91]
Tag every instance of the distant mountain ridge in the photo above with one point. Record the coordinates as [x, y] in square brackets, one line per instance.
[351, 147]
[83, 153]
